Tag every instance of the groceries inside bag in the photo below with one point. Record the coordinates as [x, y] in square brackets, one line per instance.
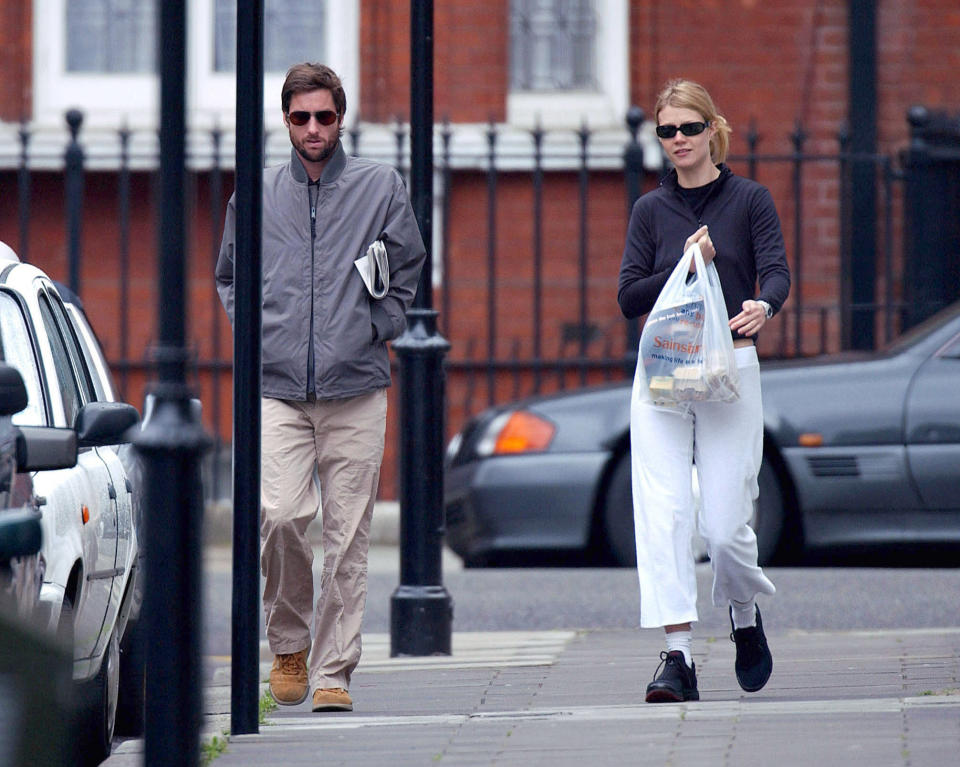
[686, 349]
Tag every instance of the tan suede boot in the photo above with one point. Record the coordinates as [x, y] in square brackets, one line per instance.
[288, 678]
[332, 699]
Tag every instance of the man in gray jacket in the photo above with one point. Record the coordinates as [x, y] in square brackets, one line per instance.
[325, 371]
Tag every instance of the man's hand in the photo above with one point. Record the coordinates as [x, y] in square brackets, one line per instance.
[750, 320]
[702, 238]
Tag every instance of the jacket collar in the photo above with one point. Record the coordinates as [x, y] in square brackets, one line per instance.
[331, 171]
[670, 181]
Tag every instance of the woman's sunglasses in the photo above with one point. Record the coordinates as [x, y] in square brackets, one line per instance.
[326, 117]
[687, 129]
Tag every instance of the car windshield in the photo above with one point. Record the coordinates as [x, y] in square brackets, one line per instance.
[17, 350]
[929, 325]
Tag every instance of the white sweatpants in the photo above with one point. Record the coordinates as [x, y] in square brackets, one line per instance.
[725, 439]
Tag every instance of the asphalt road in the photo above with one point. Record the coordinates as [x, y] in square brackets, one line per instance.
[814, 598]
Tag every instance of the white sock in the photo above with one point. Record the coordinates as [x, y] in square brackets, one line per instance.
[744, 613]
[682, 641]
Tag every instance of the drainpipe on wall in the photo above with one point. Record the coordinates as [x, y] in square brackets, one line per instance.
[858, 273]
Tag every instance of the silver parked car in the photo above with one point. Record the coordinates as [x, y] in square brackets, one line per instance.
[24, 450]
[89, 538]
[860, 450]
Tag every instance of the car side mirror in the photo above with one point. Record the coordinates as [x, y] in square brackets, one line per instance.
[20, 534]
[105, 423]
[41, 448]
[13, 393]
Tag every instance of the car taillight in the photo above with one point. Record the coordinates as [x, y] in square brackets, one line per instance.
[522, 432]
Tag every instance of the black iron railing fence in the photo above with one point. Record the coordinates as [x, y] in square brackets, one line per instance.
[486, 365]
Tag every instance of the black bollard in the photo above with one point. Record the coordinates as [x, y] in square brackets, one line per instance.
[421, 610]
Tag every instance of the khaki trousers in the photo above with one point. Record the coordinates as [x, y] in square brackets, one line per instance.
[342, 440]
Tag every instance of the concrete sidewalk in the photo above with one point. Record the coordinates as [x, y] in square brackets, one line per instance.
[576, 698]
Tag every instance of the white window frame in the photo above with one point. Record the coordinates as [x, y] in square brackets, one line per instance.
[211, 94]
[111, 100]
[105, 99]
[604, 107]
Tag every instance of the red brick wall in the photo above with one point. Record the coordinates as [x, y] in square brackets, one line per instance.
[16, 18]
[470, 48]
[466, 324]
[777, 60]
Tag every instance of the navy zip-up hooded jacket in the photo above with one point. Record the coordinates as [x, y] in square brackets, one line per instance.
[745, 231]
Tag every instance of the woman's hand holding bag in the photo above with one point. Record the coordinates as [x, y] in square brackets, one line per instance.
[686, 349]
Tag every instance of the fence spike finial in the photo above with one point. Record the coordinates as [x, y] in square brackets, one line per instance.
[635, 118]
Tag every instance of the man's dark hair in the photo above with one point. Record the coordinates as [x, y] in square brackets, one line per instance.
[309, 77]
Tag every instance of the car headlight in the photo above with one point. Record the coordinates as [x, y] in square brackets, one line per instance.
[518, 431]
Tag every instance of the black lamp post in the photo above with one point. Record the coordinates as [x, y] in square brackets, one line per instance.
[171, 446]
[245, 644]
[421, 609]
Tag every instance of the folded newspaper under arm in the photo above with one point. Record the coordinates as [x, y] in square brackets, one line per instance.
[374, 269]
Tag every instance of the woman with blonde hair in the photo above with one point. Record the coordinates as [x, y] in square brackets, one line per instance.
[735, 223]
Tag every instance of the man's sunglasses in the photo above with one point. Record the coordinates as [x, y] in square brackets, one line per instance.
[687, 129]
[325, 117]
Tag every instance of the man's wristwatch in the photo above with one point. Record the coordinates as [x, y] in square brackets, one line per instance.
[767, 308]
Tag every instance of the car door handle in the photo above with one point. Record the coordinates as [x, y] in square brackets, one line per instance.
[100, 575]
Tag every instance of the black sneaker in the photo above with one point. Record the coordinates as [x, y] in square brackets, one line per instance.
[754, 661]
[676, 683]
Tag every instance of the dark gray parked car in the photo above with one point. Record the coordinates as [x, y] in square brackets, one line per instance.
[859, 449]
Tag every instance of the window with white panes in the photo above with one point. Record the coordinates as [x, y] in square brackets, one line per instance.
[568, 62]
[101, 56]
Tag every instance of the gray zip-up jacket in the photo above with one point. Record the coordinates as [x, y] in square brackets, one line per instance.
[323, 334]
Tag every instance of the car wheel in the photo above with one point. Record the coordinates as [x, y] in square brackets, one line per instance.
[98, 708]
[618, 532]
[131, 695]
[768, 514]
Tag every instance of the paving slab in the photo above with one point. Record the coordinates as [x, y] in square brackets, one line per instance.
[886, 697]
[560, 696]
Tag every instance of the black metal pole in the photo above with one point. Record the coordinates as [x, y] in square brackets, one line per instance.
[491, 264]
[537, 135]
[633, 168]
[862, 17]
[123, 203]
[74, 194]
[245, 658]
[216, 218]
[23, 192]
[584, 135]
[798, 137]
[171, 445]
[421, 610]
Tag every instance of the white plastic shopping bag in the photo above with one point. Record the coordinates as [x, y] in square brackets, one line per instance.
[686, 349]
